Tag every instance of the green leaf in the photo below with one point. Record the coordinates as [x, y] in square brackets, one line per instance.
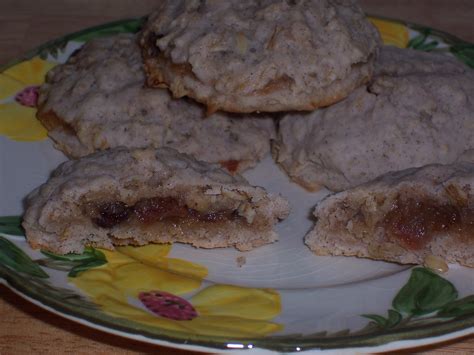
[458, 308]
[464, 52]
[131, 26]
[428, 46]
[394, 318]
[85, 266]
[75, 263]
[15, 258]
[417, 41]
[43, 289]
[89, 254]
[425, 292]
[97, 253]
[381, 321]
[55, 264]
[11, 225]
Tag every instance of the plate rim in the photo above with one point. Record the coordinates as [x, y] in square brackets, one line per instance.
[110, 328]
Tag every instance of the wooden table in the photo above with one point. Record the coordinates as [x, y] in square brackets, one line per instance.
[24, 24]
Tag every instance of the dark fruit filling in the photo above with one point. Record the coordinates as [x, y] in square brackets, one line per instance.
[150, 210]
[415, 222]
[109, 214]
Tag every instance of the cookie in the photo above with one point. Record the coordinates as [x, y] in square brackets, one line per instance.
[267, 56]
[405, 217]
[407, 119]
[128, 196]
[97, 100]
[396, 61]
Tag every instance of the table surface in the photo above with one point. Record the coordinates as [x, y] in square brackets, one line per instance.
[24, 24]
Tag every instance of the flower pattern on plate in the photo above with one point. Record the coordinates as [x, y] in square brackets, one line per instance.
[18, 98]
[143, 285]
[392, 33]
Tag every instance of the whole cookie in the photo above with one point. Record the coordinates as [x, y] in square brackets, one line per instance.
[97, 100]
[407, 119]
[271, 55]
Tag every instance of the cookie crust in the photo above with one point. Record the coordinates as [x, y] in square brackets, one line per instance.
[97, 100]
[268, 56]
[405, 118]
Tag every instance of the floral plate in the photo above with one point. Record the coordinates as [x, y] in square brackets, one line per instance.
[278, 298]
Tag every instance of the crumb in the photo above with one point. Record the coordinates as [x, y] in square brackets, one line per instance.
[241, 260]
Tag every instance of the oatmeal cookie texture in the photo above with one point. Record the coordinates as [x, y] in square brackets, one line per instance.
[97, 101]
[138, 196]
[417, 111]
[271, 55]
[405, 217]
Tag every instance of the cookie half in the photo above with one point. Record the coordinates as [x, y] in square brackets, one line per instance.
[135, 197]
[403, 119]
[266, 56]
[404, 217]
[97, 100]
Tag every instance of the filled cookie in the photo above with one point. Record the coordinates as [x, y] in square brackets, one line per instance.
[268, 56]
[97, 100]
[137, 196]
[407, 117]
[406, 217]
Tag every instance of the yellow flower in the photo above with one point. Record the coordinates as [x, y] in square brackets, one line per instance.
[392, 33]
[18, 94]
[141, 284]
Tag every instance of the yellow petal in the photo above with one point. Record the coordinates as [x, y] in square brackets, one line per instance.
[30, 72]
[98, 284]
[392, 33]
[183, 267]
[154, 255]
[241, 302]
[148, 253]
[9, 86]
[124, 276]
[115, 257]
[19, 123]
[136, 277]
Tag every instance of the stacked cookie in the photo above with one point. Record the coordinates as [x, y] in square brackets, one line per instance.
[98, 100]
[259, 56]
[220, 81]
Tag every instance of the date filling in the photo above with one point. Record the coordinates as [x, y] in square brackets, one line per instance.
[150, 210]
[415, 222]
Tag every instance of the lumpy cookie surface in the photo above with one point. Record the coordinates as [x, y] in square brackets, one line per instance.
[407, 117]
[271, 55]
[138, 196]
[97, 100]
